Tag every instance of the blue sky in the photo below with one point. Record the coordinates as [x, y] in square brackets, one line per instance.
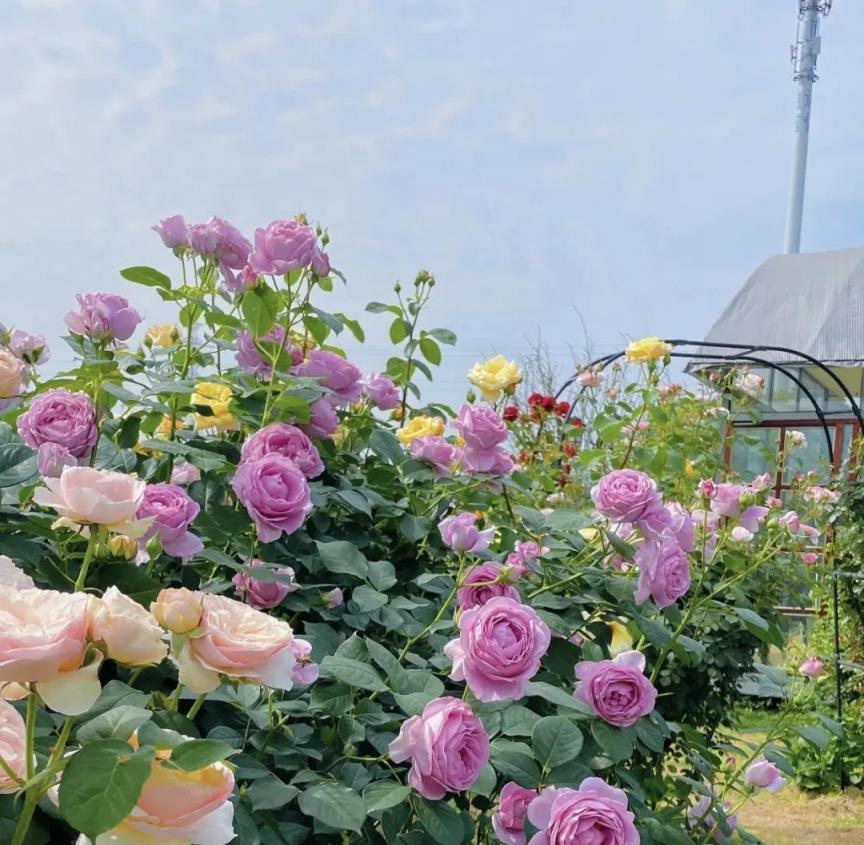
[626, 161]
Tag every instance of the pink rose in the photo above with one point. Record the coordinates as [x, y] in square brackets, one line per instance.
[13, 747]
[103, 317]
[437, 451]
[65, 419]
[524, 552]
[594, 813]
[286, 440]
[286, 245]
[263, 595]
[812, 667]
[52, 457]
[334, 598]
[480, 427]
[486, 461]
[177, 806]
[332, 371]
[185, 473]
[275, 493]
[129, 631]
[625, 495]
[381, 392]
[238, 641]
[83, 495]
[765, 775]
[701, 814]
[727, 499]
[508, 820]
[447, 745]
[483, 583]
[43, 640]
[173, 231]
[616, 690]
[13, 374]
[13, 577]
[30, 348]
[172, 511]
[305, 671]
[590, 378]
[683, 527]
[809, 558]
[323, 419]
[655, 522]
[250, 358]
[707, 488]
[241, 281]
[461, 534]
[664, 573]
[499, 649]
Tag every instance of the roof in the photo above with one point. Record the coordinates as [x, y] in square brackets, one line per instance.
[812, 302]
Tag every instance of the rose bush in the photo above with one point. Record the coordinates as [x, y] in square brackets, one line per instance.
[264, 598]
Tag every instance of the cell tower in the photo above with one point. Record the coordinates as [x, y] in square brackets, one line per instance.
[804, 54]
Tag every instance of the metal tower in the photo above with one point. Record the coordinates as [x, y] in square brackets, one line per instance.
[804, 54]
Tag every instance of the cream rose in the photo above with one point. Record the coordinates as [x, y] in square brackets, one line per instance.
[13, 748]
[12, 576]
[178, 610]
[238, 641]
[43, 639]
[129, 631]
[12, 374]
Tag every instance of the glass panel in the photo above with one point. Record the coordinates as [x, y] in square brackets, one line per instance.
[784, 393]
[812, 456]
[754, 451]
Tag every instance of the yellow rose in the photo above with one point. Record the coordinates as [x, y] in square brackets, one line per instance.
[588, 534]
[621, 639]
[163, 430]
[122, 545]
[177, 609]
[217, 397]
[647, 349]
[494, 376]
[420, 427]
[165, 334]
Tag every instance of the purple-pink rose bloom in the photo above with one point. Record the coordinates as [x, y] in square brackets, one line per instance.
[58, 416]
[173, 511]
[332, 371]
[486, 461]
[437, 451]
[103, 316]
[286, 245]
[250, 358]
[765, 775]
[499, 649]
[262, 595]
[625, 495]
[185, 473]
[508, 820]
[323, 419]
[275, 493]
[447, 746]
[701, 813]
[173, 231]
[305, 672]
[287, 440]
[524, 552]
[593, 814]
[664, 572]
[30, 348]
[483, 583]
[616, 690]
[51, 459]
[683, 527]
[726, 500]
[461, 534]
[334, 598]
[381, 392]
[480, 427]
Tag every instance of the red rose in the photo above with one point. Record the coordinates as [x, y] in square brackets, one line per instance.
[510, 414]
[576, 422]
[562, 409]
[569, 450]
[535, 399]
[548, 403]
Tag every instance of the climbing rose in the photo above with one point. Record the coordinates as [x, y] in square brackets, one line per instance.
[381, 392]
[482, 583]
[263, 595]
[625, 495]
[65, 419]
[765, 775]
[286, 245]
[437, 451]
[172, 230]
[286, 440]
[508, 820]
[103, 317]
[664, 572]
[335, 373]
[461, 534]
[812, 667]
[616, 690]
[172, 511]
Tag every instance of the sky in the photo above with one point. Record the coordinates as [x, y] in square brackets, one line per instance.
[567, 170]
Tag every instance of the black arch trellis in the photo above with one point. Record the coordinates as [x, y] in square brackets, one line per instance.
[746, 353]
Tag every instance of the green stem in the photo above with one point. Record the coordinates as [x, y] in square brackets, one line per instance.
[60, 745]
[88, 559]
[24, 820]
[193, 710]
[29, 733]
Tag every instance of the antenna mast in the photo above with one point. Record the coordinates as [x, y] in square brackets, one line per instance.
[804, 54]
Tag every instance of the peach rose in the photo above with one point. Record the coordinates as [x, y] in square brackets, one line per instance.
[13, 748]
[43, 639]
[83, 495]
[178, 610]
[238, 641]
[130, 633]
[12, 374]
[183, 808]
[12, 576]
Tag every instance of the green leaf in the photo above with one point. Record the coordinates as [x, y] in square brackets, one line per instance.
[384, 444]
[101, 784]
[352, 672]
[515, 761]
[614, 742]
[199, 753]
[441, 822]
[342, 557]
[381, 308]
[394, 670]
[335, 805]
[431, 351]
[269, 793]
[399, 330]
[119, 723]
[147, 276]
[260, 306]
[384, 794]
[557, 696]
[443, 336]
[365, 600]
[813, 734]
[17, 464]
[556, 741]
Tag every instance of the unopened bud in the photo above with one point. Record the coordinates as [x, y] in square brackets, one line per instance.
[397, 288]
[154, 547]
[471, 396]
[123, 546]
